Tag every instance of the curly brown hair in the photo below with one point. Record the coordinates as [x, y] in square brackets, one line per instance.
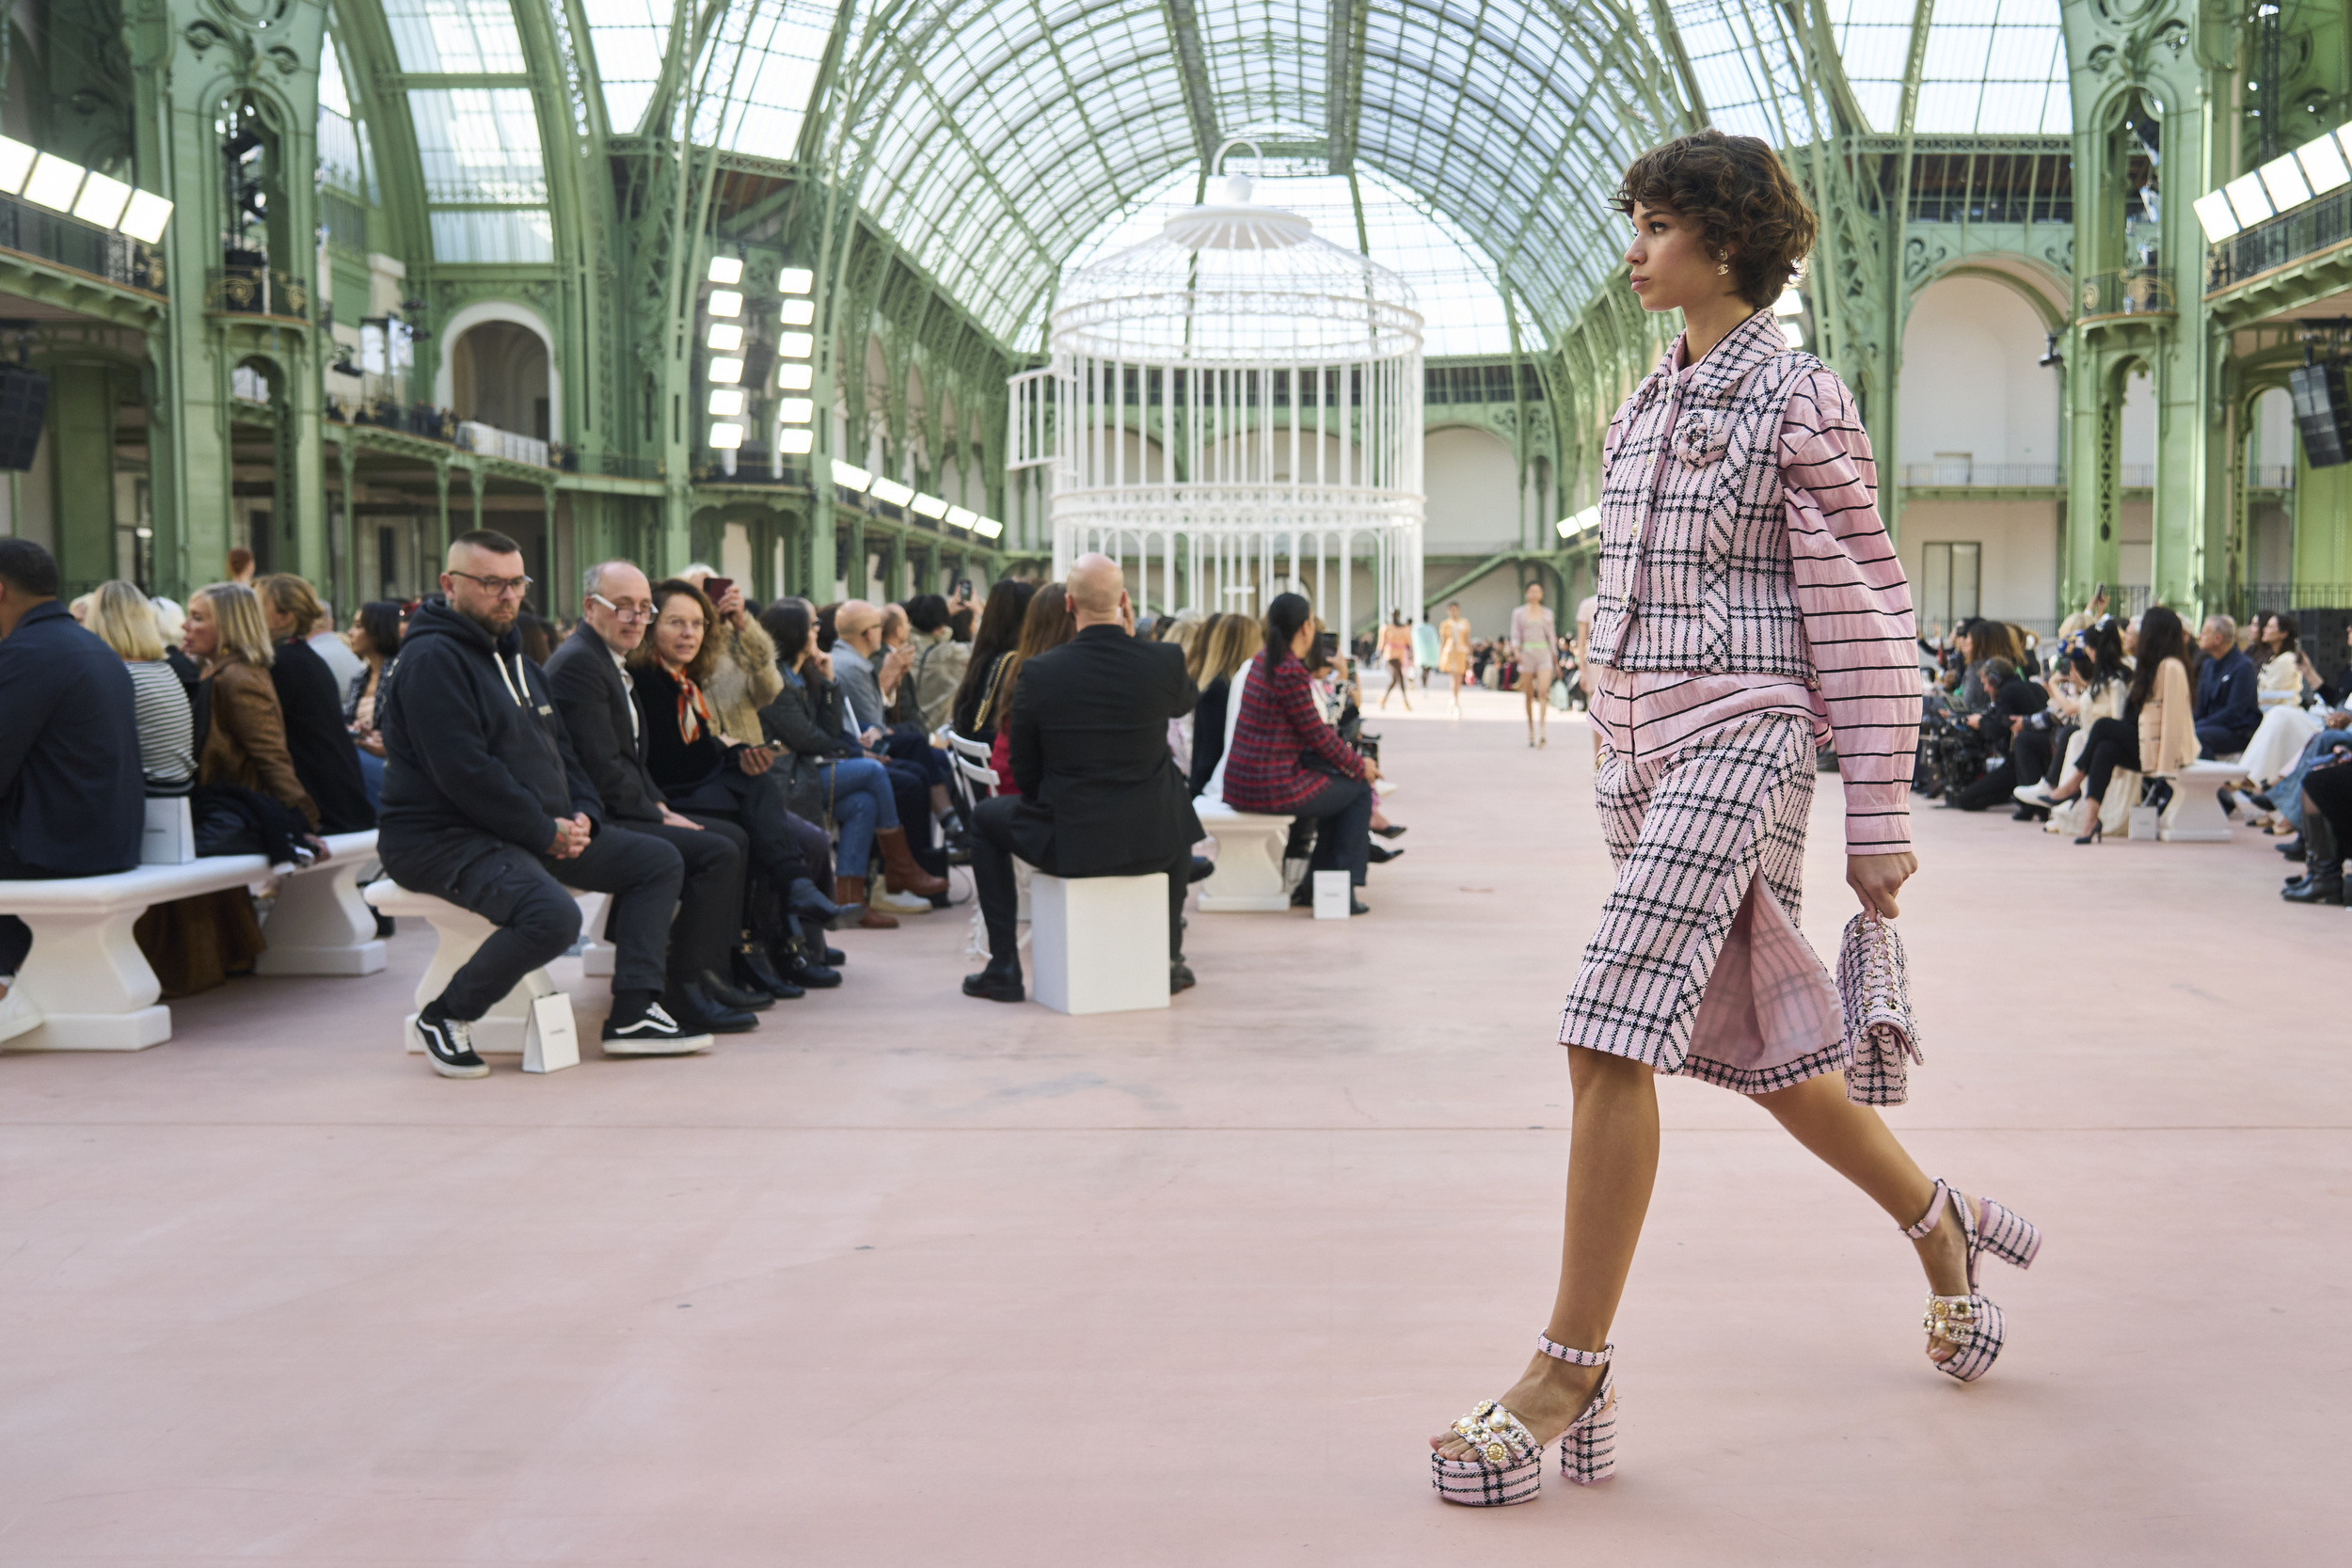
[1751, 213]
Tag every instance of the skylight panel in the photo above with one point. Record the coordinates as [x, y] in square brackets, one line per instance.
[454, 37]
[630, 38]
[479, 145]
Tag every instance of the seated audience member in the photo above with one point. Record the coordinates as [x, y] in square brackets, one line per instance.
[71, 804]
[2156, 732]
[744, 680]
[998, 633]
[2286, 795]
[2099, 681]
[702, 767]
[333, 647]
[591, 689]
[1279, 728]
[2327, 802]
[2005, 719]
[374, 637]
[486, 805]
[172, 622]
[1100, 796]
[240, 723]
[870, 680]
[311, 700]
[1046, 623]
[241, 566]
[939, 659]
[125, 622]
[1226, 647]
[830, 772]
[2227, 710]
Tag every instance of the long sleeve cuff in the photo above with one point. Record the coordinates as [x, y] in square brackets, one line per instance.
[1878, 819]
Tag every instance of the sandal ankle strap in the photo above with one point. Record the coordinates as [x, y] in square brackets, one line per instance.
[1568, 1352]
[1935, 1211]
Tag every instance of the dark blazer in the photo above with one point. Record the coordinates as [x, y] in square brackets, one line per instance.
[318, 740]
[72, 800]
[595, 708]
[1100, 793]
[679, 766]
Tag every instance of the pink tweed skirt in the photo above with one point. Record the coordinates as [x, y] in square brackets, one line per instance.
[1699, 966]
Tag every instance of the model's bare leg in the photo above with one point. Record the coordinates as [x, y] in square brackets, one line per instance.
[1856, 1143]
[1612, 1164]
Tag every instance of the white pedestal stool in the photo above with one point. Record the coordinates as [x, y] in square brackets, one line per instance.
[1099, 945]
[1248, 875]
[503, 1030]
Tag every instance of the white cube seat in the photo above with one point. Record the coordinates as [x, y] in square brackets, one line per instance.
[1248, 875]
[2196, 816]
[505, 1028]
[86, 986]
[1099, 945]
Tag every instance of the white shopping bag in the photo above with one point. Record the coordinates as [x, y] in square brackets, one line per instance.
[550, 1039]
[1331, 894]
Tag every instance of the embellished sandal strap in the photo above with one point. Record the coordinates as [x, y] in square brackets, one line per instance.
[1935, 1211]
[1582, 1357]
[1499, 1438]
[1949, 1317]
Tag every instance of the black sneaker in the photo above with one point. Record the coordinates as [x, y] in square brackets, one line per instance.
[650, 1033]
[449, 1046]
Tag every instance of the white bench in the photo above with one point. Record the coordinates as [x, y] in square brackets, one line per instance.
[1248, 875]
[2196, 816]
[1099, 945]
[86, 986]
[505, 1029]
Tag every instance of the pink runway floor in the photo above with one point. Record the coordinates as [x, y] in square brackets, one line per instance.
[905, 1279]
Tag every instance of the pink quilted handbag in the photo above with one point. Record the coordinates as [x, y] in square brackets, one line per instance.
[1881, 1029]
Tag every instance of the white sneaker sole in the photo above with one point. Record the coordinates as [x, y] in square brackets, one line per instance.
[449, 1069]
[679, 1045]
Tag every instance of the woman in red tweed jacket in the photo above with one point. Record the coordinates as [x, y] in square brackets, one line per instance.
[1285, 761]
[1750, 608]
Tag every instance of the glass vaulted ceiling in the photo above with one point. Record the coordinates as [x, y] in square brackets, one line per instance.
[993, 139]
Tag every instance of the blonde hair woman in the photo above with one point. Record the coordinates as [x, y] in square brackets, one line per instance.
[125, 622]
[246, 744]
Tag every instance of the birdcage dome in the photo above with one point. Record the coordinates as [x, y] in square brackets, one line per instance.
[1229, 282]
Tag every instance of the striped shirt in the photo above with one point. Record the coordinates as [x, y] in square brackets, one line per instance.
[166, 725]
[1845, 588]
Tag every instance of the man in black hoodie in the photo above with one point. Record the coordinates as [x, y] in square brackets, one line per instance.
[486, 805]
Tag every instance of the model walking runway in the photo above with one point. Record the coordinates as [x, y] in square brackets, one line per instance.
[1749, 607]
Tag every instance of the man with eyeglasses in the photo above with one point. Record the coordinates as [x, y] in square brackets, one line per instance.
[486, 805]
[591, 688]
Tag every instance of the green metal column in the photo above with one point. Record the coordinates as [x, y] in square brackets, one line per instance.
[81, 423]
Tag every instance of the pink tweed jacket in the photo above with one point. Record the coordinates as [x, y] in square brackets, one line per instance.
[1744, 568]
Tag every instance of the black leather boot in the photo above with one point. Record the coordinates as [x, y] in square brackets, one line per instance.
[2322, 883]
[747, 999]
[752, 969]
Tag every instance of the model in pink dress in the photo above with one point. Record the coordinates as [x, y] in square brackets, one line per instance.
[1750, 608]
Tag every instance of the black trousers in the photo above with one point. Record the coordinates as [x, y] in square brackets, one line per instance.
[2112, 743]
[2219, 741]
[1343, 813]
[523, 895]
[2029, 753]
[2330, 789]
[755, 804]
[1000, 893]
[16, 938]
[710, 902]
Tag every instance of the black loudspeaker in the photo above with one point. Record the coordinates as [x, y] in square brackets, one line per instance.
[2322, 413]
[23, 405]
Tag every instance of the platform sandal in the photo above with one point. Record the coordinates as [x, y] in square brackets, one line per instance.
[1972, 1325]
[1507, 1465]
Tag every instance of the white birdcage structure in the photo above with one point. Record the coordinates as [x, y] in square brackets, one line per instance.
[1233, 410]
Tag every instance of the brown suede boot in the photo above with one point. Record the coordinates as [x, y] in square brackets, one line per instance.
[850, 892]
[900, 874]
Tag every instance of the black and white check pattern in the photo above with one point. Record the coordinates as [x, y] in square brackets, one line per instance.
[1717, 591]
[1689, 829]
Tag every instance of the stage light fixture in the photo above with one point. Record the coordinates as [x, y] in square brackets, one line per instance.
[850, 477]
[795, 280]
[103, 200]
[796, 345]
[793, 377]
[726, 269]
[797, 312]
[892, 493]
[726, 437]
[726, 371]
[727, 401]
[53, 183]
[725, 302]
[725, 338]
[795, 410]
[798, 442]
